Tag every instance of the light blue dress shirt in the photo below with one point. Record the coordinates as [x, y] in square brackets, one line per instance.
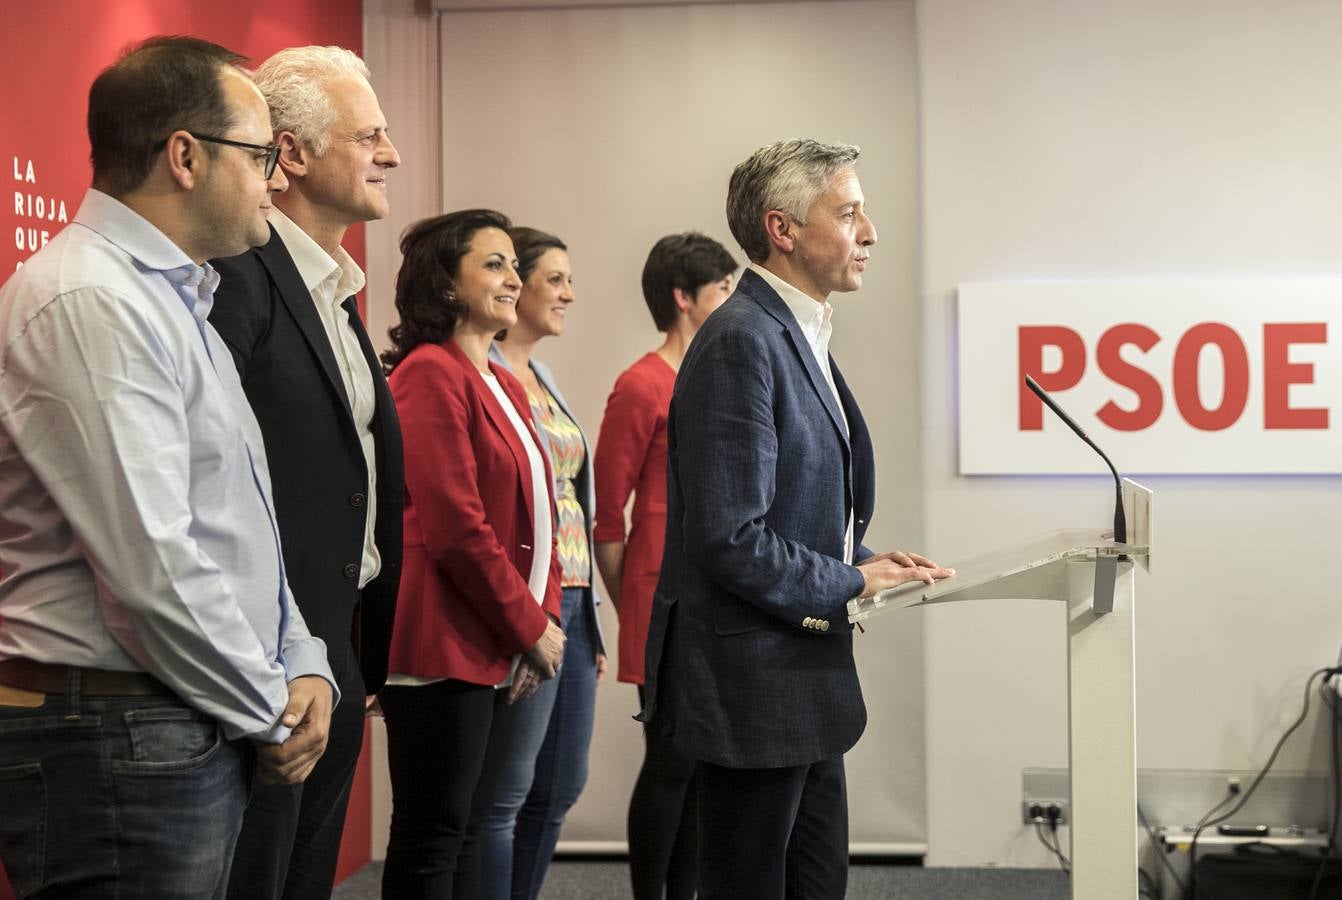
[137, 530]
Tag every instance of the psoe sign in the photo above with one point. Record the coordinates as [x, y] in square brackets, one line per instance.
[1168, 376]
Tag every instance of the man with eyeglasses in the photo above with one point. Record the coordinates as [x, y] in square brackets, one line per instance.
[150, 649]
[287, 312]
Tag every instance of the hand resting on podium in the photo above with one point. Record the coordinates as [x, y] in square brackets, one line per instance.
[887, 570]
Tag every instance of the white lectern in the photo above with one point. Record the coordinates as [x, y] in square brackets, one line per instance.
[1094, 576]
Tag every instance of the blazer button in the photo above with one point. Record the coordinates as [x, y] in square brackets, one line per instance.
[824, 625]
[357, 499]
[352, 570]
[806, 622]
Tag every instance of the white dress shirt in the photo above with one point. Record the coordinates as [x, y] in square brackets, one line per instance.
[543, 531]
[330, 280]
[813, 317]
[137, 531]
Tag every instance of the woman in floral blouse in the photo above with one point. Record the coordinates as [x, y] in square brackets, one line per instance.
[548, 763]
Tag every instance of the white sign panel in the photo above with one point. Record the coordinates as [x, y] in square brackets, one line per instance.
[1168, 376]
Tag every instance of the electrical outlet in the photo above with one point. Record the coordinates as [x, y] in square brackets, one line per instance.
[1037, 810]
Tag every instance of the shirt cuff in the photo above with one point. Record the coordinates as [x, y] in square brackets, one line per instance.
[278, 733]
[308, 657]
[302, 658]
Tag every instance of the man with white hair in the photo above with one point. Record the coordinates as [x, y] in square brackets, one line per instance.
[287, 312]
[770, 487]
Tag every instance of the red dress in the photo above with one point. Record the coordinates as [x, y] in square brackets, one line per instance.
[631, 458]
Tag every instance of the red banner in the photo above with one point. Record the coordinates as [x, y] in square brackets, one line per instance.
[53, 50]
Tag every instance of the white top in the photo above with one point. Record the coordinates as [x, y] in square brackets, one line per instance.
[543, 532]
[813, 317]
[137, 531]
[330, 281]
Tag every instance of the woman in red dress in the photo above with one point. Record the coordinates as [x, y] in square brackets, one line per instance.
[686, 277]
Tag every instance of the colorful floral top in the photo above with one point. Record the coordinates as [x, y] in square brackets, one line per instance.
[566, 458]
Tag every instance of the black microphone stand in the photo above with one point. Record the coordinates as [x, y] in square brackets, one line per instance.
[1120, 520]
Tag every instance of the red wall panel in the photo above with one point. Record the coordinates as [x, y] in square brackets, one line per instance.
[52, 50]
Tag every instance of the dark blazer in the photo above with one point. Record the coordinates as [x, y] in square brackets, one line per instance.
[750, 656]
[465, 608]
[267, 317]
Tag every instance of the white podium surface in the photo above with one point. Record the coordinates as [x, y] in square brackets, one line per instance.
[1090, 573]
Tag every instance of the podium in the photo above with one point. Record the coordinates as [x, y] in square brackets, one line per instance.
[1093, 576]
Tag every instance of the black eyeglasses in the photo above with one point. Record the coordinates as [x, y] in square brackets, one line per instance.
[272, 150]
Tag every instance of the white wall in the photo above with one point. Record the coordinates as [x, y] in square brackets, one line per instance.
[613, 127]
[1083, 139]
[1058, 139]
[401, 49]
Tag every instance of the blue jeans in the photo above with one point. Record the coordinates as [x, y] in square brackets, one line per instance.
[547, 768]
[126, 797]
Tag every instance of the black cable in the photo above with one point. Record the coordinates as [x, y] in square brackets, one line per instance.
[1335, 795]
[1039, 833]
[1208, 820]
[1062, 860]
[1193, 845]
[1054, 814]
[1147, 885]
[1160, 851]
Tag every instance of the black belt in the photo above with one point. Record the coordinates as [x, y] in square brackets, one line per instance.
[49, 678]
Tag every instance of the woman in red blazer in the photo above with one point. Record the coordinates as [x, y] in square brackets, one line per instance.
[686, 277]
[477, 622]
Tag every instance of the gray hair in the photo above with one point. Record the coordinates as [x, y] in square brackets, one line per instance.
[788, 176]
[293, 83]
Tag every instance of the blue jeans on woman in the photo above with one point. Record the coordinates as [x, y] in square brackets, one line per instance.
[127, 797]
[546, 769]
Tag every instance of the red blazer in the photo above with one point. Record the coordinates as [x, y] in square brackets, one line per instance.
[465, 609]
[631, 458]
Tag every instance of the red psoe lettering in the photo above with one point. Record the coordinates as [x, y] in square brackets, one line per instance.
[1030, 343]
[1150, 399]
[1279, 373]
[1235, 363]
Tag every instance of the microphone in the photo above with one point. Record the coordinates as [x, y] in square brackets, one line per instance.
[1120, 521]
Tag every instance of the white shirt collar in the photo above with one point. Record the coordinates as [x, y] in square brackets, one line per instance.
[812, 316]
[316, 266]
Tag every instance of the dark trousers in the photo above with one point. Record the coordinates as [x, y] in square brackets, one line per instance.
[447, 744]
[663, 826]
[290, 839]
[773, 834]
[117, 797]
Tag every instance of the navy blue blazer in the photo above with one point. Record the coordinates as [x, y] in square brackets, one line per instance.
[265, 314]
[750, 654]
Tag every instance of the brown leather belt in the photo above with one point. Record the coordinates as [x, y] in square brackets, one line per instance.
[48, 678]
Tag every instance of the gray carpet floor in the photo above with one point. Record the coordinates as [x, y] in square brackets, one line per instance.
[582, 880]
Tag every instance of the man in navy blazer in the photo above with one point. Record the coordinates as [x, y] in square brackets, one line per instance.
[771, 483]
[287, 313]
